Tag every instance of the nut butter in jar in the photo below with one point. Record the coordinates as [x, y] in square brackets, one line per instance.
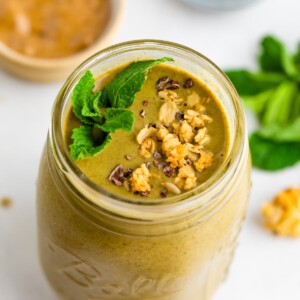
[44, 40]
[100, 240]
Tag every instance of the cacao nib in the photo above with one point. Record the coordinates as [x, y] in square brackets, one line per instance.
[164, 193]
[157, 155]
[179, 116]
[128, 172]
[188, 83]
[145, 194]
[161, 82]
[117, 175]
[168, 171]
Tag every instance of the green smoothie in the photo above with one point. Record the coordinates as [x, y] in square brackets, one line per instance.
[108, 238]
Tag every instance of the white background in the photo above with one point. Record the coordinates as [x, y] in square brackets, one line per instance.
[265, 267]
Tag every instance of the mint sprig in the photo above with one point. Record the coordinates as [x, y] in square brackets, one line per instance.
[121, 92]
[85, 101]
[116, 119]
[273, 93]
[102, 113]
[85, 145]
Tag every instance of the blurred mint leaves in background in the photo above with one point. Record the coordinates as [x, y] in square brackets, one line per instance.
[273, 94]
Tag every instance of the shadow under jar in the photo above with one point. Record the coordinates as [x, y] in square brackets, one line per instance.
[96, 245]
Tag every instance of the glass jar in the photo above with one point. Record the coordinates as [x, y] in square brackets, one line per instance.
[95, 245]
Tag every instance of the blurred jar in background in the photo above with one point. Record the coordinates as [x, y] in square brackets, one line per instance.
[52, 28]
[220, 4]
[44, 40]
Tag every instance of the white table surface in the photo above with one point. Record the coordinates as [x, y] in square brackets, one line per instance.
[265, 267]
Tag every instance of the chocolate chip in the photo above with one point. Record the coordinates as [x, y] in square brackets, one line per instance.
[188, 83]
[153, 125]
[157, 155]
[128, 172]
[145, 194]
[148, 164]
[145, 103]
[143, 113]
[117, 176]
[164, 193]
[179, 116]
[161, 82]
[168, 171]
[128, 157]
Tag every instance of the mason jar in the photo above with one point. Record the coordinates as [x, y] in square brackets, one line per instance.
[95, 245]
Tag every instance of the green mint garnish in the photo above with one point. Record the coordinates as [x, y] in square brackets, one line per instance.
[85, 145]
[94, 134]
[273, 93]
[85, 101]
[117, 118]
[121, 92]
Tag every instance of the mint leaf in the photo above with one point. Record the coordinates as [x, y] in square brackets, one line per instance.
[278, 133]
[297, 58]
[248, 83]
[296, 107]
[258, 103]
[273, 156]
[274, 57]
[85, 101]
[84, 144]
[279, 107]
[120, 93]
[118, 118]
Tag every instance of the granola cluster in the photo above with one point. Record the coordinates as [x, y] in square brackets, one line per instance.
[177, 142]
[282, 215]
[140, 179]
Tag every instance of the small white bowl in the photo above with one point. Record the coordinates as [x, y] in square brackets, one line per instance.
[47, 70]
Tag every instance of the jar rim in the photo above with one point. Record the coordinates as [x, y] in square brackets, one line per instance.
[112, 202]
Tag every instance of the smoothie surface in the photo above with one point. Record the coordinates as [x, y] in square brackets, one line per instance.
[179, 139]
